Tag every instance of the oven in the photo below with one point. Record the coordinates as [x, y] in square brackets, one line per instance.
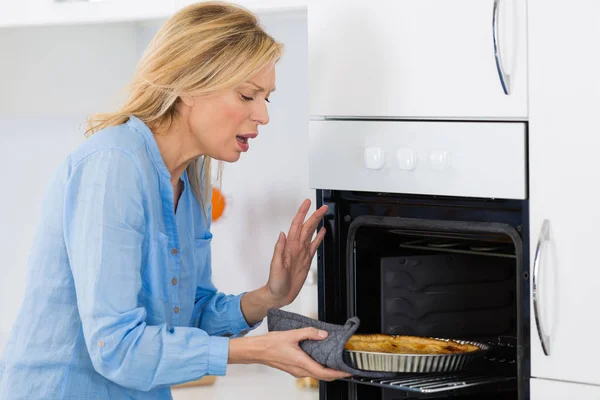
[427, 236]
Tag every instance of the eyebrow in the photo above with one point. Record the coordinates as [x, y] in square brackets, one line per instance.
[260, 88]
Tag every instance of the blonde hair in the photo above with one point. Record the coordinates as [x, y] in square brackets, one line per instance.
[203, 49]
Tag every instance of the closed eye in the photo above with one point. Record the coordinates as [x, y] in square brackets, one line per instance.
[246, 98]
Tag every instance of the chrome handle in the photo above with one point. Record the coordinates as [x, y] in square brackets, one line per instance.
[539, 249]
[504, 77]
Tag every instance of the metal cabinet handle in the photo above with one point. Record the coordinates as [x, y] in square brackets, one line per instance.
[539, 249]
[504, 77]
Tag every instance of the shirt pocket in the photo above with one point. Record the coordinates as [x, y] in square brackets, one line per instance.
[156, 274]
[202, 250]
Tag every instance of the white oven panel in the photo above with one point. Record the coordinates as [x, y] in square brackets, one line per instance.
[467, 159]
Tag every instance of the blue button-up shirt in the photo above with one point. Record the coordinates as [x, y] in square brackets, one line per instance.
[119, 302]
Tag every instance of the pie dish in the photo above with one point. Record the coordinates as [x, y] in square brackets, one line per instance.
[407, 345]
[410, 354]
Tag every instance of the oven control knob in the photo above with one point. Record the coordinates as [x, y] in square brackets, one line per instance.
[407, 159]
[439, 159]
[374, 158]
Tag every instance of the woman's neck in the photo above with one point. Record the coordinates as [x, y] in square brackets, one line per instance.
[177, 149]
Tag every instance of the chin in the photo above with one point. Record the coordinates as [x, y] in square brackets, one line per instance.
[229, 158]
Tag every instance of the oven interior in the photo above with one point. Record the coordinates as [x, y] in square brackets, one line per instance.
[445, 284]
[430, 266]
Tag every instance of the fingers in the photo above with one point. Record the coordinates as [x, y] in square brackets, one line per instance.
[279, 248]
[318, 371]
[298, 220]
[327, 374]
[317, 242]
[290, 369]
[292, 359]
[308, 334]
[303, 231]
[309, 227]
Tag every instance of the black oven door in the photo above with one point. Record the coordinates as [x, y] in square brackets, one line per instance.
[430, 266]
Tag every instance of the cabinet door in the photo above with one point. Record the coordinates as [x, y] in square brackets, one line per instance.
[564, 189]
[542, 389]
[417, 58]
[55, 12]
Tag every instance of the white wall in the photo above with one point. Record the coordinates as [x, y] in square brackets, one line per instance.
[64, 70]
[51, 78]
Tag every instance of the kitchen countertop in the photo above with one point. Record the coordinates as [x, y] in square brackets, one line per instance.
[249, 382]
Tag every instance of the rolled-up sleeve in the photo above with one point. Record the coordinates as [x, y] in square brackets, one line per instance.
[220, 314]
[105, 233]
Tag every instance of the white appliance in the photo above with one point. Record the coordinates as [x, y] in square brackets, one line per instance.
[383, 74]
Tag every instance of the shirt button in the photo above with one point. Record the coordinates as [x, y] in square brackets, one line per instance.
[174, 281]
[100, 344]
[176, 309]
[174, 252]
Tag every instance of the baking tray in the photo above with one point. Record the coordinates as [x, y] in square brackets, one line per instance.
[414, 363]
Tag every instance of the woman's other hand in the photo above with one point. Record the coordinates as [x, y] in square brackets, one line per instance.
[281, 350]
[289, 267]
[293, 255]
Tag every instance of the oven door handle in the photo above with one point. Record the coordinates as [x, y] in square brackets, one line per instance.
[537, 261]
[504, 77]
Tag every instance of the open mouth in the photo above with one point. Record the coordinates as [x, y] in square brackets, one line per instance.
[242, 139]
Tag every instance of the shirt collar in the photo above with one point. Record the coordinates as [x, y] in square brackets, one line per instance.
[148, 136]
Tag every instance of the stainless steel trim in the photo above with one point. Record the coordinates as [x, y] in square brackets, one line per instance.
[504, 77]
[537, 261]
[415, 363]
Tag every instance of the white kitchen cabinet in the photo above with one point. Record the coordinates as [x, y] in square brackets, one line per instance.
[52, 12]
[542, 389]
[416, 59]
[565, 187]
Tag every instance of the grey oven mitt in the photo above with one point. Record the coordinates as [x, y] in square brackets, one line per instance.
[328, 352]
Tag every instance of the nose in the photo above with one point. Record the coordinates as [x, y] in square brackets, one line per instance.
[261, 113]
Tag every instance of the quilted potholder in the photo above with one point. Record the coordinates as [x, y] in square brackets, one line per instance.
[328, 352]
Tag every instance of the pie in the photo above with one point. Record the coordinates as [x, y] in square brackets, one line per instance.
[379, 343]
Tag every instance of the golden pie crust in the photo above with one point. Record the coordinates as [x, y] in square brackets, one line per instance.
[379, 343]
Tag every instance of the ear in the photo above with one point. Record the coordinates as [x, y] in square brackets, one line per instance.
[188, 100]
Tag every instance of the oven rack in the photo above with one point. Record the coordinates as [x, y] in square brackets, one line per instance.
[428, 384]
[456, 247]
[498, 368]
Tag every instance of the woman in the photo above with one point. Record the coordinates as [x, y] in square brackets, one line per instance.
[119, 303]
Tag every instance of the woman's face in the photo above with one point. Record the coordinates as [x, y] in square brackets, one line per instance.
[224, 124]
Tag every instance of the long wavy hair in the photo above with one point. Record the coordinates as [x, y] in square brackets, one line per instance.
[203, 49]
